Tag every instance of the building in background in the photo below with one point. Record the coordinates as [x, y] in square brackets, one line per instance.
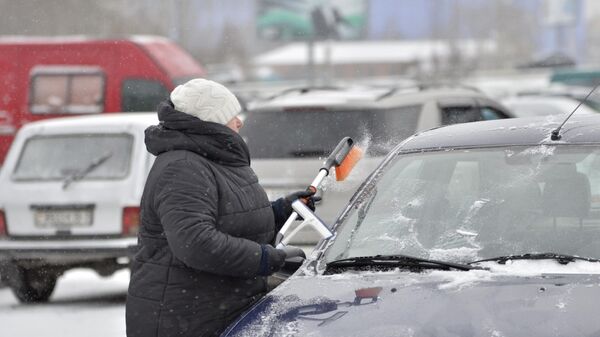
[381, 58]
[230, 33]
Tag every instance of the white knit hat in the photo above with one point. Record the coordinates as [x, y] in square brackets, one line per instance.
[206, 100]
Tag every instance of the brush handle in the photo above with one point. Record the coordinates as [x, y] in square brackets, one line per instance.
[314, 185]
[319, 178]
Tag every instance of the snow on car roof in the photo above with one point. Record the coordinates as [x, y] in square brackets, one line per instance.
[360, 96]
[582, 129]
[104, 120]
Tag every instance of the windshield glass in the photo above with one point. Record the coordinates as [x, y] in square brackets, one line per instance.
[465, 205]
[58, 157]
[313, 133]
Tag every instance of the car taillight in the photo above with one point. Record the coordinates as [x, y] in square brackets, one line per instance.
[3, 231]
[131, 220]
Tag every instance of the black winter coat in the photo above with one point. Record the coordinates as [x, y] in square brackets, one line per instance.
[205, 223]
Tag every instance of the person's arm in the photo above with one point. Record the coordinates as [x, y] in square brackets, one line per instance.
[187, 202]
[280, 212]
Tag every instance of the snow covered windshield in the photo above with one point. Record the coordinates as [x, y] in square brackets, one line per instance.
[465, 205]
[57, 157]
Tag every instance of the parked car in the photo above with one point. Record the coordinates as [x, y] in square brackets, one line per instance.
[544, 105]
[71, 190]
[44, 77]
[481, 229]
[289, 134]
[576, 76]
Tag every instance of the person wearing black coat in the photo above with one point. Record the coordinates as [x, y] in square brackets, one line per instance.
[206, 224]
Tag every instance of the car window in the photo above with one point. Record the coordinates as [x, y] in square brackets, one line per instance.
[465, 205]
[57, 157]
[490, 113]
[460, 114]
[315, 132]
[66, 90]
[142, 95]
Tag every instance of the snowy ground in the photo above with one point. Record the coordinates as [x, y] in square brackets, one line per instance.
[83, 304]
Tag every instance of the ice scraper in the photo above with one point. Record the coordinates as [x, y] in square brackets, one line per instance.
[343, 158]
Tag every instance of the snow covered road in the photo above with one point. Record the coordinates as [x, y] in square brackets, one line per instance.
[83, 304]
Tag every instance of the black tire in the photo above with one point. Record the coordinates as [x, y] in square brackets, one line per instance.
[33, 285]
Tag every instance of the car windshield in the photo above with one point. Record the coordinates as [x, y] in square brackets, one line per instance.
[313, 133]
[58, 157]
[466, 205]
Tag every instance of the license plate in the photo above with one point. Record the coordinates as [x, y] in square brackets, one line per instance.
[63, 218]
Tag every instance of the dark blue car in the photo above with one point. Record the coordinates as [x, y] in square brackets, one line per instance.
[478, 229]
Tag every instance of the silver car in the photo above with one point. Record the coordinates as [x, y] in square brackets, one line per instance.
[290, 134]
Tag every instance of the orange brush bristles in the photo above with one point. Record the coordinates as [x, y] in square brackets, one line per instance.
[342, 171]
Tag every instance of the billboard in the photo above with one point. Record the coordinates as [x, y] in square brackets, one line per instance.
[560, 12]
[298, 20]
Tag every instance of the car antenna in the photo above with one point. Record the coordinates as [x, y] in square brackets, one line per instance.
[556, 132]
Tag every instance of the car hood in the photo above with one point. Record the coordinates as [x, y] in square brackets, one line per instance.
[436, 303]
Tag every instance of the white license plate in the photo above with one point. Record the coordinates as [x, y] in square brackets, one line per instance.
[63, 218]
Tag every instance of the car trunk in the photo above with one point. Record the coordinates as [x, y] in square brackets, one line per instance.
[84, 208]
[72, 185]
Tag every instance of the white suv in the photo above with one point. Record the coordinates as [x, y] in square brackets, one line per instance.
[71, 190]
[290, 134]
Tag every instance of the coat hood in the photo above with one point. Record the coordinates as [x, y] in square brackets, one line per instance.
[180, 131]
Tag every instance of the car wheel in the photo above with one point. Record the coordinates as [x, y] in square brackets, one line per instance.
[33, 285]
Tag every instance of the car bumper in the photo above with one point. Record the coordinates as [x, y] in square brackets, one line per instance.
[63, 250]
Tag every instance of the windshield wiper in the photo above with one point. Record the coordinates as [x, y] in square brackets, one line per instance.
[393, 261]
[85, 171]
[561, 258]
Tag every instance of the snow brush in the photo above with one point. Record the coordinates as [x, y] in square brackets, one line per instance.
[343, 158]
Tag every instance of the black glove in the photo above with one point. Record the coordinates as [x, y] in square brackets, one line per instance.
[294, 257]
[308, 198]
[273, 259]
[292, 252]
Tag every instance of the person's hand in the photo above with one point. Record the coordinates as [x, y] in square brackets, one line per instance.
[294, 257]
[274, 259]
[293, 252]
[282, 207]
[306, 196]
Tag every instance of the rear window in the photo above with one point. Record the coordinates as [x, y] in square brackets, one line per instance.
[58, 157]
[313, 133]
[66, 90]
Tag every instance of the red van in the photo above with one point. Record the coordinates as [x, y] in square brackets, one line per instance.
[51, 77]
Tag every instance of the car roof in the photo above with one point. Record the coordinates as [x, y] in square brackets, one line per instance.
[582, 129]
[361, 97]
[116, 121]
[533, 98]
